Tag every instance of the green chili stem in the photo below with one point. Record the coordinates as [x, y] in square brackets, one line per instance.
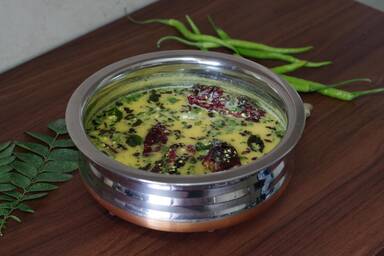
[219, 31]
[192, 24]
[367, 92]
[349, 81]
[229, 43]
[186, 33]
[195, 29]
[253, 45]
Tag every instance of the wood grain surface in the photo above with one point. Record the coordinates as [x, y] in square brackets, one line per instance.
[334, 204]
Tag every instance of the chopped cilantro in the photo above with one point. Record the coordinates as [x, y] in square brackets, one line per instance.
[134, 140]
[172, 100]
[133, 97]
[115, 115]
[255, 143]
[154, 97]
[201, 146]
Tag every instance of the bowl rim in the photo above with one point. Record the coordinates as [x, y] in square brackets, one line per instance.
[76, 106]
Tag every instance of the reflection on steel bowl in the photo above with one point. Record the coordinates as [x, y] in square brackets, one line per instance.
[187, 202]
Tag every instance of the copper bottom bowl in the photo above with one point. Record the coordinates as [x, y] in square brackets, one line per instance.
[185, 203]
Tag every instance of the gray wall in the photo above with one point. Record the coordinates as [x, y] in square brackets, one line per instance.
[377, 4]
[31, 27]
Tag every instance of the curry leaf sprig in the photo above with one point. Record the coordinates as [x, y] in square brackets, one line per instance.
[255, 50]
[29, 170]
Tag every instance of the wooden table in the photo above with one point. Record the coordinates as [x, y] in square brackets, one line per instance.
[334, 204]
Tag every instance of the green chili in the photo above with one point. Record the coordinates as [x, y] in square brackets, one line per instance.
[296, 63]
[258, 46]
[253, 45]
[205, 45]
[230, 43]
[264, 52]
[279, 56]
[186, 33]
[346, 95]
[261, 51]
[247, 53]
[302, 85]
[289, 67]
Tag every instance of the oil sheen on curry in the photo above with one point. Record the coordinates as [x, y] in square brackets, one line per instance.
[185, 130]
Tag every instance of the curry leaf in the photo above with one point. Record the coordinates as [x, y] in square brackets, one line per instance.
[28, 175]
[15, 218]
[25, 169]
[38, 187]
[65, 143]
[7, 205]
[42, 137]
[7, 151]
[25, 208]
[5, 177]
[64, 154]
[6, 187]
[30, 159]
[4, 145]
[34, 147]
[6, 198]
[14, 194]
[53, 177]
[34, 196]
[5, 168]
[20, 180]
[4, 212]
[58, 126]
[61, 166]
[6, 160]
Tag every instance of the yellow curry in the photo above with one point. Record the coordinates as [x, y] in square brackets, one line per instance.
[185, 131]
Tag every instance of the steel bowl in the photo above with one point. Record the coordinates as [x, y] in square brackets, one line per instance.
[184, 203]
